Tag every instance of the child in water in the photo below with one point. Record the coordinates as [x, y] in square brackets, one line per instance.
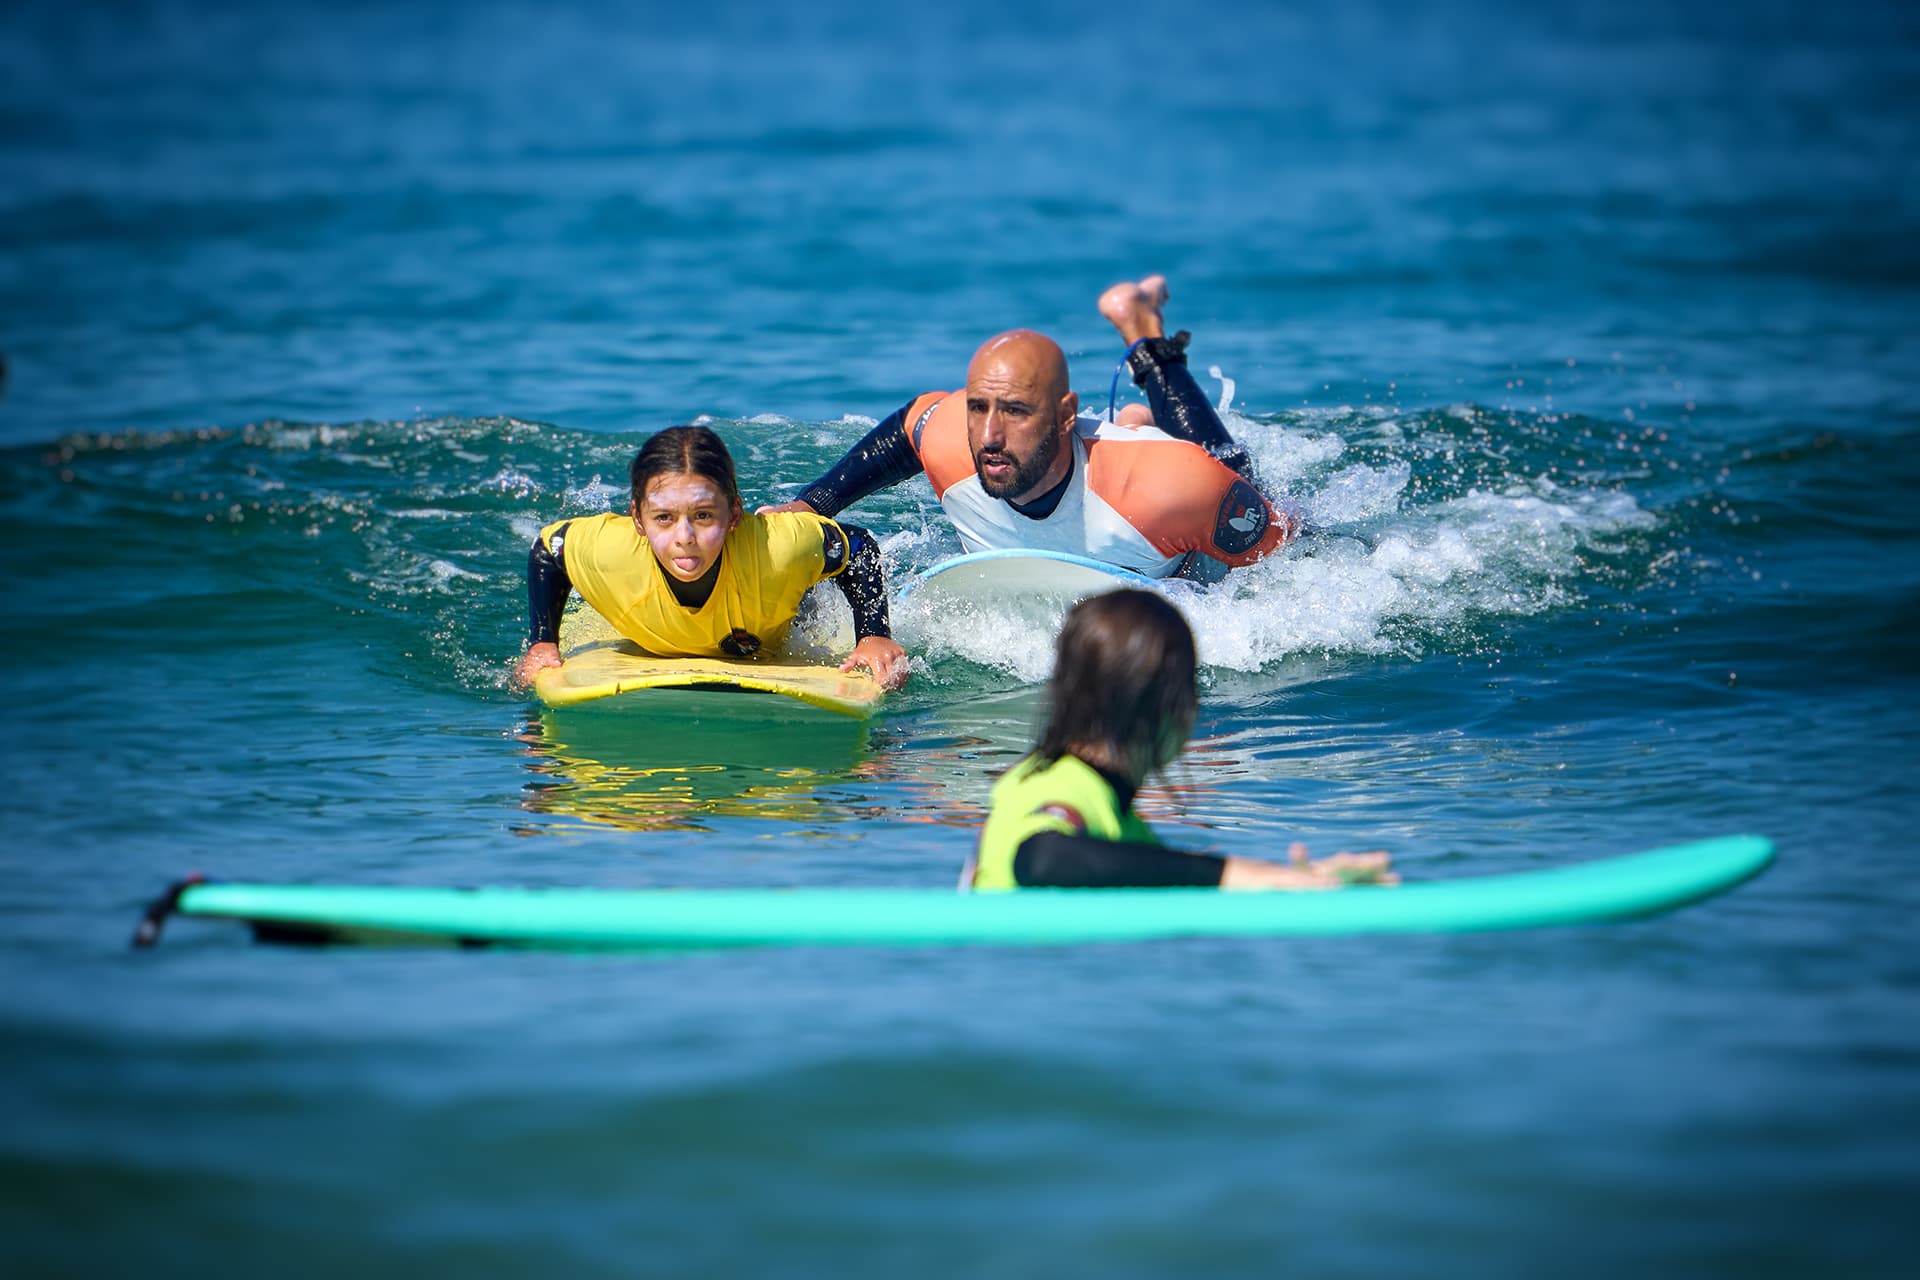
[1121, 703]
[685, 572]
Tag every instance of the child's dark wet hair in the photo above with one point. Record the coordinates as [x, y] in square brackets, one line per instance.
[683, 450]
[1124, 682]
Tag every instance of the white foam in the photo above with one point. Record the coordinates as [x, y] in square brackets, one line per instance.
[1018, 641]
[1356, 493]
[595, 496]
[446, 571]
[513, 482]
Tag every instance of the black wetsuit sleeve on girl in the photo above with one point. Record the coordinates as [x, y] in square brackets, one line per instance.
[863, 582]
[1055, 860]
[883, 458]
[547, 589]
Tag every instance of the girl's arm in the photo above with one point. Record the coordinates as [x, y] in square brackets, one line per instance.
[1053, 859]
[547, 589]
[864, 583]
[1056, 860]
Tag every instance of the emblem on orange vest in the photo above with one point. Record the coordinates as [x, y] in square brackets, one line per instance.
[1243, 518]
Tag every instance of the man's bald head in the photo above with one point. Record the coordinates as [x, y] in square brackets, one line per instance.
[1025, 357]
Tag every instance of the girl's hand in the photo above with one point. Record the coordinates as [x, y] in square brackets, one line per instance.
[881, 656]
[1343, 868]
[536, 659]
[1300, 872]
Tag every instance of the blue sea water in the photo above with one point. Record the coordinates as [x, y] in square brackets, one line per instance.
[1584, 333]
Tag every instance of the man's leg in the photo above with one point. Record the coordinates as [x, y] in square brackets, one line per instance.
[1159, 368]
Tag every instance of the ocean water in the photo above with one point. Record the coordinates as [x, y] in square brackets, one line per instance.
[1585, 335]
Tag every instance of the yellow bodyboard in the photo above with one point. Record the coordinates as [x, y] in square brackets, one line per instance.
[597, 663]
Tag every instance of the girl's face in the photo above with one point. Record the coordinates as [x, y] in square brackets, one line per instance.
[686, 519]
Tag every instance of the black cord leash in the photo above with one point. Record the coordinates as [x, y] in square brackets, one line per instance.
[147, 932]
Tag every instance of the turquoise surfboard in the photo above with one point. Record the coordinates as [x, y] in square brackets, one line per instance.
[1623, 887]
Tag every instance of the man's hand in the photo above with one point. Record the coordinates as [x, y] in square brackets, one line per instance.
[881, 656]
[795, 505]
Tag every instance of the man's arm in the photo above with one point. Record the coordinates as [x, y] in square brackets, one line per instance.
[883, 458]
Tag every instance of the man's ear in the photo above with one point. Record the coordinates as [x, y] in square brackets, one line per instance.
[1070, 405]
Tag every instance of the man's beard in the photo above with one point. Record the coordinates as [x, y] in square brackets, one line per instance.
[1025, 474]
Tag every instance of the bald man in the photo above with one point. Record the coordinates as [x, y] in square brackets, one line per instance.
[1015, 464]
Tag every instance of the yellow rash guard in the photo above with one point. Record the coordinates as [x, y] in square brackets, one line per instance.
[766, 565]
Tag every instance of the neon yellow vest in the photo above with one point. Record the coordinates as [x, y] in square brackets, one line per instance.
[766, 565]
[1030, 799]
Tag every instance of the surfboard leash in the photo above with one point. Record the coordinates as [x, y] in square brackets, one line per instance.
[147, 932]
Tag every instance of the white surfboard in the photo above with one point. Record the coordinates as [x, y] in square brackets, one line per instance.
[1048, 581]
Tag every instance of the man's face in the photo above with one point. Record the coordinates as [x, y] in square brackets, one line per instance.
[1016, 424]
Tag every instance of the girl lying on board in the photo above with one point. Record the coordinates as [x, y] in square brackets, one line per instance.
[685, 572]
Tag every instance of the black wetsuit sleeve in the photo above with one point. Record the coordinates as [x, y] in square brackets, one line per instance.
[884, 457]
[863, 582]
[1055, 860]
[1180, 408]
[547, 590]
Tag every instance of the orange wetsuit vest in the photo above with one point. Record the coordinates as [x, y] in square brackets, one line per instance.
[1137, 497]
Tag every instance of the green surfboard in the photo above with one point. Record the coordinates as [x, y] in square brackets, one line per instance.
[1623, 887]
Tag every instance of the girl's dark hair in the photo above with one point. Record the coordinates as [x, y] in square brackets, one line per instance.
[692, 450]
[1124, 682]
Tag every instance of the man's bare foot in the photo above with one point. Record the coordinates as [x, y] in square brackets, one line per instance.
[1134, 308]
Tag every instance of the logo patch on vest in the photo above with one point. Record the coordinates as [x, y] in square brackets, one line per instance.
[1242, 519]
[741, 643]
[1065, 813]
[833, 548]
